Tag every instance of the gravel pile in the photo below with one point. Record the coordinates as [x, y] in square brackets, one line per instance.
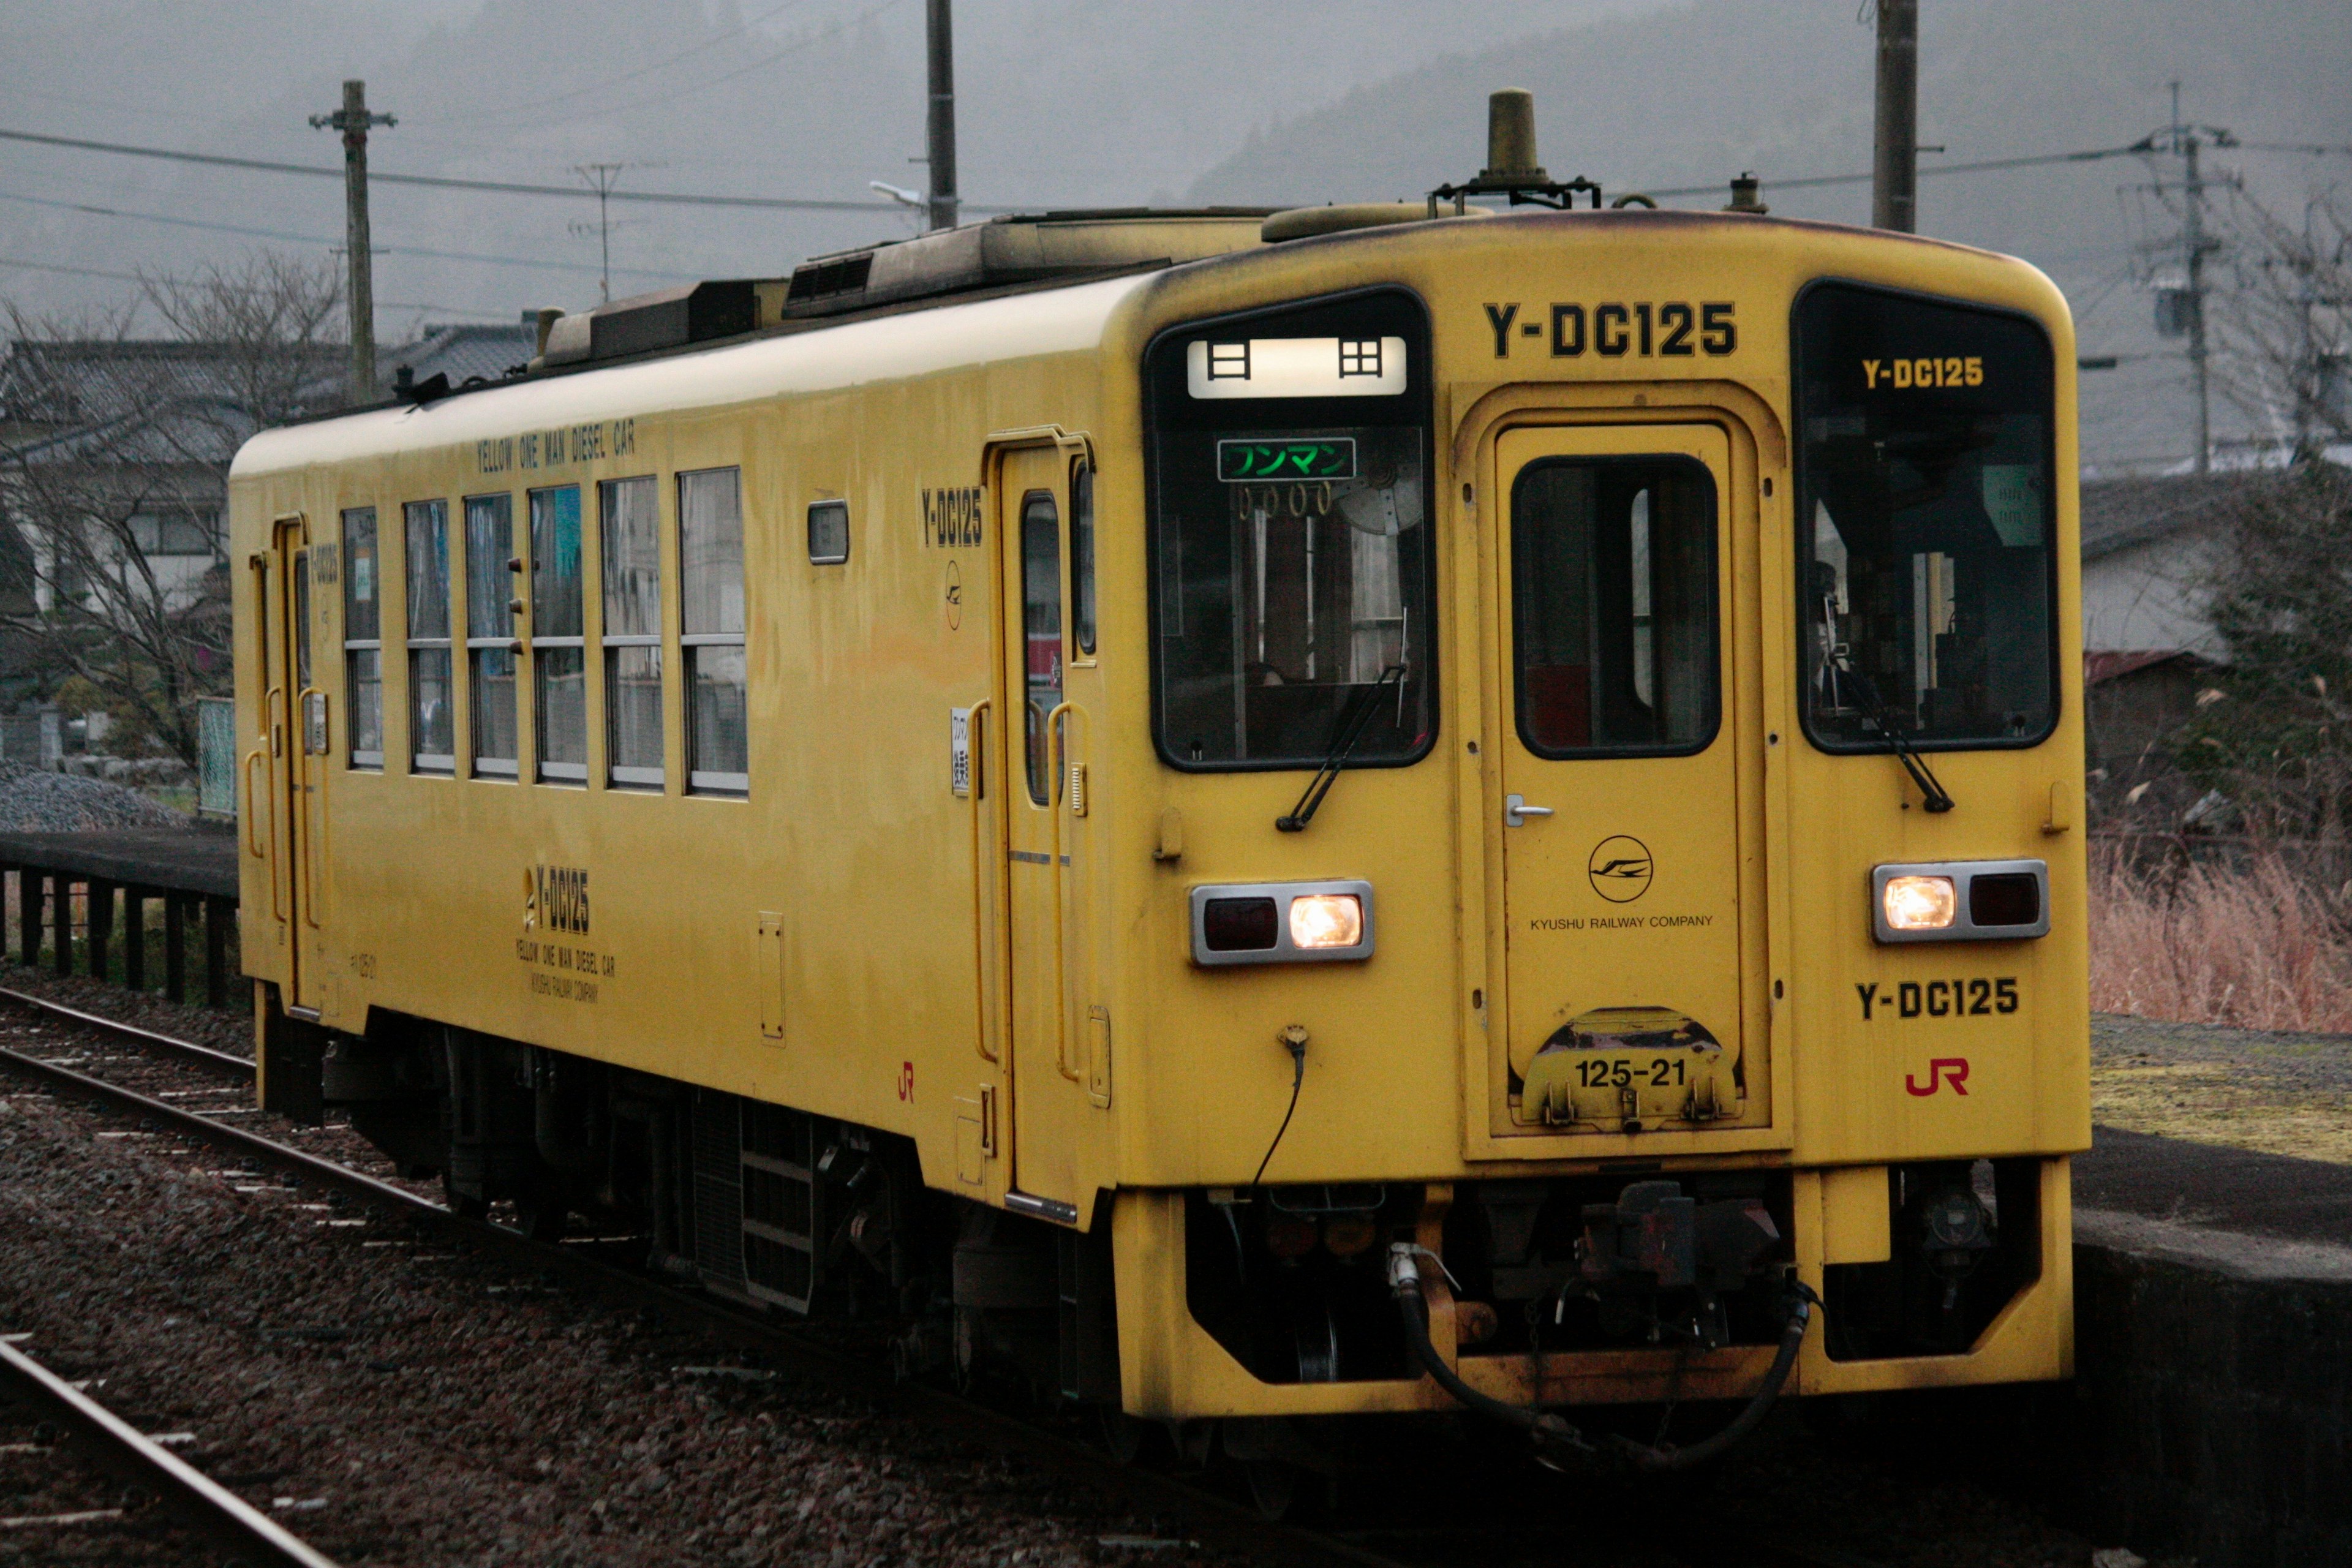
[32, 801]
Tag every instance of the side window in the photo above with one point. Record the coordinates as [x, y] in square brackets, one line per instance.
[631, 513]
[1614, 589]
[559, 651]
[1082, 555]
[1041, 624]
[828, 532]
[432, 729]
[489, 632]
[362, 640]
[710, 572]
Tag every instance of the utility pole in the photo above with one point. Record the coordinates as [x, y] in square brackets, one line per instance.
[2185, 142]
[601, 178]
[941, 139]
[354, 120]
[2192, 237]
[1894, 164]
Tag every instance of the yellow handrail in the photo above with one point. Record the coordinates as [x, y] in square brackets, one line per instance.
[983, 915]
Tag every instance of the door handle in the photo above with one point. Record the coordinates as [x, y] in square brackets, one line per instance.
[1516, 811]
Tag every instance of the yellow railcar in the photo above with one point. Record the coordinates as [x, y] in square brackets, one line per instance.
[1113, 785]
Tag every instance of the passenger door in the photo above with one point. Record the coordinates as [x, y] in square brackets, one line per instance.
[1041, 752]
[1625, 996]
[289, 819]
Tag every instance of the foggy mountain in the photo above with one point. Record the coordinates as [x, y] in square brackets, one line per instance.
[1067, 102]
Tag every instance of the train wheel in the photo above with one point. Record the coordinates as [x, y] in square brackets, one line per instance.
[465, 1205]
[1273, 1487]
[1124, 1437]
[541, 1218]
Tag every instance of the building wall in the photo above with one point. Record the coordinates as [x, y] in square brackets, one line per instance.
[2152, 595]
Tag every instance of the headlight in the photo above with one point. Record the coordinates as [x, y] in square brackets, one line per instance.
[1327, 920]
[1282, 922]
[1961, 900]
[1918, 903]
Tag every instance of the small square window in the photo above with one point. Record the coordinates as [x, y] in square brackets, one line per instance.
[828, 532]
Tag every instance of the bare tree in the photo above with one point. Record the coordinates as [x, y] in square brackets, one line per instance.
[2282, 322]
[114, 453]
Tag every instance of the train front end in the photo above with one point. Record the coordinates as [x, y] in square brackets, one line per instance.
[1604, 880]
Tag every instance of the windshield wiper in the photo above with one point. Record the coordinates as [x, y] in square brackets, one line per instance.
[1353, 720]
[1840, 676]
[1931, 787]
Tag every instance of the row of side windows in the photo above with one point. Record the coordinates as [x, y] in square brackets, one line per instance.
[630, 637]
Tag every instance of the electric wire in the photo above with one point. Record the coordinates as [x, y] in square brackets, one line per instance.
[452, 183]
[91, 209]
[793, 47]
[518, 109]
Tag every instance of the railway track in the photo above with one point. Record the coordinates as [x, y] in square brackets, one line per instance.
[201, 1502]
[1207, 1519]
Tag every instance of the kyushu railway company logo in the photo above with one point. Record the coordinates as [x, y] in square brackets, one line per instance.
[1620, 869]
[555, 897]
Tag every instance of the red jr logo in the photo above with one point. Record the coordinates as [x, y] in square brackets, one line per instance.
[1941, 1070]
[906, 1079]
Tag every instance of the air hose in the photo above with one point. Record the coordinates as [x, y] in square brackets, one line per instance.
[1550, 1431]
[1404, 1280]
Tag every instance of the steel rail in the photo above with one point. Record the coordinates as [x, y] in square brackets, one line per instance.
[203, 1503]
[1218, 1519]
[1213, 1519]
[203, 1056]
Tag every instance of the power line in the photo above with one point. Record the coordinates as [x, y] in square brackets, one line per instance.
[23, 265]
[519, 109]
[1987, 166]
[795, 47]
[446, 183]
[94, 211]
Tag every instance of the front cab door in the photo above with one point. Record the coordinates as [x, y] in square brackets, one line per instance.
[1627, 994]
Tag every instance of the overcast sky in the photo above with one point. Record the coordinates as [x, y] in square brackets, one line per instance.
[1111, 102]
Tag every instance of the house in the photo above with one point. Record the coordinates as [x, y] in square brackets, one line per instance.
[2150, 555]
[114, 456]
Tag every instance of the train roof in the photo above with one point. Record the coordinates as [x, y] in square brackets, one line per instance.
[980, 294]
[886, 346]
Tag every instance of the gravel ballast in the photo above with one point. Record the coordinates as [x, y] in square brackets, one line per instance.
[411, 1405]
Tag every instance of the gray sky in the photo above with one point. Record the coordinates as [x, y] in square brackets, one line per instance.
[1075, 103]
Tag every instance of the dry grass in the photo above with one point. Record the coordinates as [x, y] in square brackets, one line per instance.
[2255, 946]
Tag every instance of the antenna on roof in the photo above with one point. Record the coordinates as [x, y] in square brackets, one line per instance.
[1511, 168]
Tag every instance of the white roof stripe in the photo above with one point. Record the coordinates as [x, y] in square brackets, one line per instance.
[918, 342]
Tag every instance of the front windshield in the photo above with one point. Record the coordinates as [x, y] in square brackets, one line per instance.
[1291, 508]
[1924, 516]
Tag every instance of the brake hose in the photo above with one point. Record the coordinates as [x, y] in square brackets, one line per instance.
[1404, 1280]
[1550, 1430]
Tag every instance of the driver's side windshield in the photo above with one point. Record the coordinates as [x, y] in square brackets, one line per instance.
[1291, 508]
[1924, 519]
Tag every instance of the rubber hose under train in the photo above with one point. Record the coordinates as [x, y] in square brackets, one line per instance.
[1550, 1430]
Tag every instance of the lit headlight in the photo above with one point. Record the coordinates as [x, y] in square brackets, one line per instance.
[1918, 903]
[1961, 900]
[1327, 920]
[1282, 922]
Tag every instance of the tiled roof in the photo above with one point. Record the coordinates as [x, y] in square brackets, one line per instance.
[462, 352]
[2120, 513]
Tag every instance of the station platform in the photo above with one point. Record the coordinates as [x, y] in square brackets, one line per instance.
[200, 860]
[88, 892]
[2211, 1414]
